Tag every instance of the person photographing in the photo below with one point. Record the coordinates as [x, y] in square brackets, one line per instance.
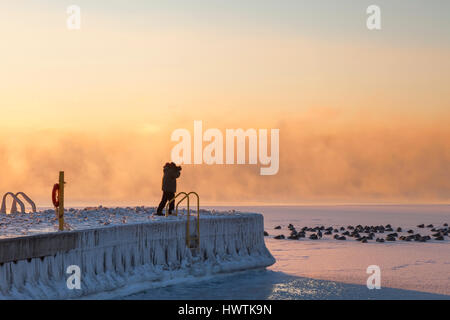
[169, 186]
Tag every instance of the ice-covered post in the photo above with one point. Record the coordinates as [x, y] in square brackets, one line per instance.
[61, 201]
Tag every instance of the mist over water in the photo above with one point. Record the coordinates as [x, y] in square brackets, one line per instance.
[349, 164]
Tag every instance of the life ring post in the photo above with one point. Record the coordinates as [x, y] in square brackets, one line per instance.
[61, 201]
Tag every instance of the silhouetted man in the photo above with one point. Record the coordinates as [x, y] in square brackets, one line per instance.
[169, 186]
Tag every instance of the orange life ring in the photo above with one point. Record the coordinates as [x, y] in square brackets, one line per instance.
[55, 195]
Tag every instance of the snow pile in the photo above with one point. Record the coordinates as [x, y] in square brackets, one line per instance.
[131, 256]
[24, 224]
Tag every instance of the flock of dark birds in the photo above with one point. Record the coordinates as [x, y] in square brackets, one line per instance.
[366, 233]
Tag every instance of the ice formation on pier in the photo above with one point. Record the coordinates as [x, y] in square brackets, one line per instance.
[129, 257]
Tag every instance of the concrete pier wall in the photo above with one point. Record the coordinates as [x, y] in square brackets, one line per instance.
[130, 257]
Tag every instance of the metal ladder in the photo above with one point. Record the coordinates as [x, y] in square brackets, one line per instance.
[16, 201]
[192, 242]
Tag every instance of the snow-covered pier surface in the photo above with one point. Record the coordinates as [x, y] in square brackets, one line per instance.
[128, 257]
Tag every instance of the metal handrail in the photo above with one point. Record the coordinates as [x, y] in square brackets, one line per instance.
[173, 200]
[27, 199]
[188, 235]
[186, 196]
[14, 207]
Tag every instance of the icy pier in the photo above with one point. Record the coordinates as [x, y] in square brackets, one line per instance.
[127, 257]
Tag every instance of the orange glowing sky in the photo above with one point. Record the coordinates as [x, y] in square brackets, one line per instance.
[363, 115]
